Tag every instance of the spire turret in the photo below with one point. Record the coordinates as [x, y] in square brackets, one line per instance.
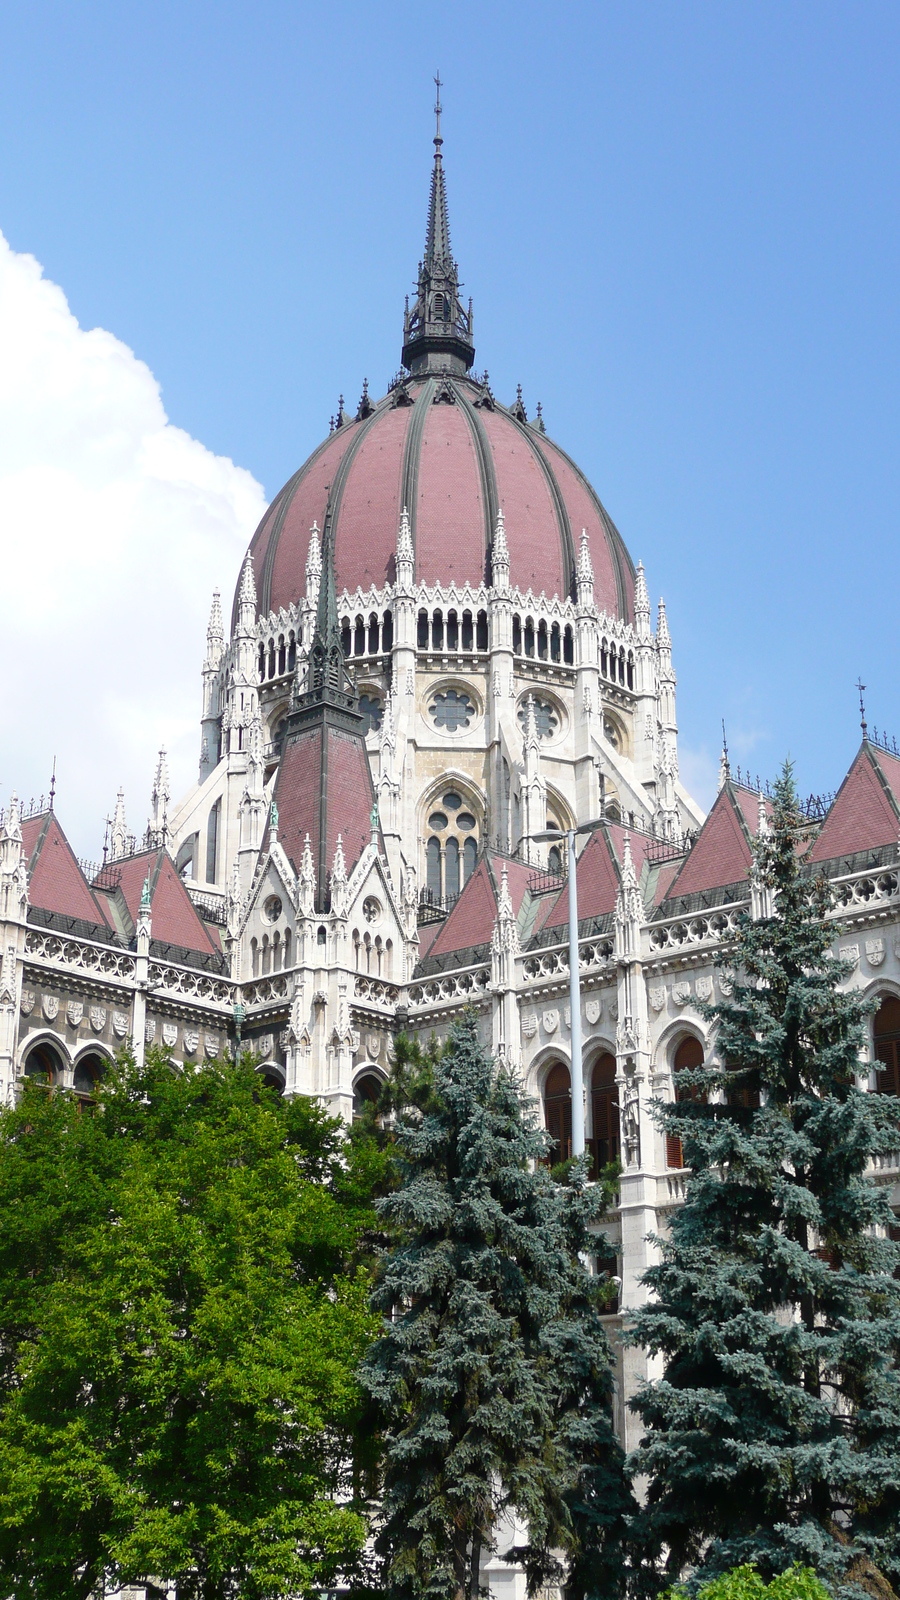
[437, 333]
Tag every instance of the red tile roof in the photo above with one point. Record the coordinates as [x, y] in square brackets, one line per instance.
[174, 919]
[349, 796]
[55, 880]
[721, 853]
[471, 922]
[864, 813]
[596, 883]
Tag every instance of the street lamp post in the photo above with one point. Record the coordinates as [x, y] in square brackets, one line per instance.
[574, 983]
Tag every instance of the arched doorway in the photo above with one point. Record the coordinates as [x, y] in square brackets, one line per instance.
[558, 1111]
[605, 1142]
[44, 1065]
[886, 1029]
[688, 1057]
[272, 1076]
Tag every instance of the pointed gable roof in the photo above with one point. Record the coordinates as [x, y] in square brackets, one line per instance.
[471, 922]
[175, 920]
[324, 788]
[865, 812]
[56, 883]
[721, 854]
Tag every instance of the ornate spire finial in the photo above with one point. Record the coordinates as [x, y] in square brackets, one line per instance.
[247, 597]
[641, 603]
[437, 332]
[724, 767]
[862, 708]
[500, 555]
[539, 418]
[532, 737]
[327, 671]
[339, 868]
[118, 840]
[405, 550]
[662, 628]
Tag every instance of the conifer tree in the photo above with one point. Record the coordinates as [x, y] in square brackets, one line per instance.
[492, 1375]
[774, 1433]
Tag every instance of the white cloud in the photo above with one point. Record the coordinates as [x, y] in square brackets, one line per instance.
[698, 770]
[114, 528]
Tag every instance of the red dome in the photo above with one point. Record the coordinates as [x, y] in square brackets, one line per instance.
[445, 449]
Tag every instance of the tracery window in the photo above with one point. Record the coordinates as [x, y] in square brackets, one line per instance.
[372, 709]
[546, 716]
[452, 710]
[44, 1064]
[451, 851]
[89, 1069]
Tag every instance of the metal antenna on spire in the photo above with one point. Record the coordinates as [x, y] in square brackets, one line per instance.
[724, 743]
[862, 708]
[53, 784]
[437, 106]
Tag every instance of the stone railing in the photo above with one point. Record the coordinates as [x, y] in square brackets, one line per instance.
[191, 985]
[79, 955]
[468, 983]
[865, 890]
[593, 955]
[274, 989]
[375, 991]
[707, 927]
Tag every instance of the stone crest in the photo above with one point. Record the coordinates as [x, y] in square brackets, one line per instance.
[74, 1012]
[190, 1041]
[170, 1034]
[26, 1004]
[593, 1010]
[50, 1006]
[657, 997]
[550, 1020]
[529, 1025]
[264, 1044]
[211, 1043]
[726, 981]
[703, 988]
[567, 1016]
[150, 1030]
[120, 1023]
[372, 1045]
[850, 952]
[98, 1018]
[874, 952]
[681, 992]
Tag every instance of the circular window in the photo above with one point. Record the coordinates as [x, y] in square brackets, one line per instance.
[452, 710]
[465, 822]
[452, 800]
[437, 820]
[546, 717]
[372, 711]
[371, 909]
[272, 908]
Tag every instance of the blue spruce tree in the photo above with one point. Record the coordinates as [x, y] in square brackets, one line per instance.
[773, 1435]
[492, 1378]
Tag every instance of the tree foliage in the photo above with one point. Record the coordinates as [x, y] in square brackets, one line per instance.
[182, 1312]
[492, 1376]
[774, 1433]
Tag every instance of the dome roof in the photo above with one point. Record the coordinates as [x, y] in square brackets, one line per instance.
[442, 447]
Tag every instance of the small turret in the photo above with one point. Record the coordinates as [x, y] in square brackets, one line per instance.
[406, 556]
[641, 604]
[215, 632]
[438, 332]
[584, 576]
[118, 834]
[313, 567]
[247, 598]
[500, 556]
[159, 803]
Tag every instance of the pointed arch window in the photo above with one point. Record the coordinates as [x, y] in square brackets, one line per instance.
[886, 1030]
[688, 1057]
[605, 1142]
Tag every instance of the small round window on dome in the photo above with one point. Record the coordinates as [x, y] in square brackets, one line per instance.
[437, 821]
[452, 710]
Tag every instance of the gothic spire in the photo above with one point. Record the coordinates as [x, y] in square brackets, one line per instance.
[437, 333]
[326, 658]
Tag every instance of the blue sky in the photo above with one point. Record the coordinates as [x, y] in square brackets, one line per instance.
[679, 224]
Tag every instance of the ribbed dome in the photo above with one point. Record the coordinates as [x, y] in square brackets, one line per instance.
[441, 446]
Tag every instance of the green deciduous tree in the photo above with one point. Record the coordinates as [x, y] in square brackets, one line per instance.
[774, 1433]
[181, 1318]
[492, 1375]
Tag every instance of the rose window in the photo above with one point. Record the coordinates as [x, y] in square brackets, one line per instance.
[452, 710]
[546, 717]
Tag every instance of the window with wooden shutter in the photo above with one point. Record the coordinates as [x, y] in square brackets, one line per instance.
[688, 1057]
[887, 1045]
